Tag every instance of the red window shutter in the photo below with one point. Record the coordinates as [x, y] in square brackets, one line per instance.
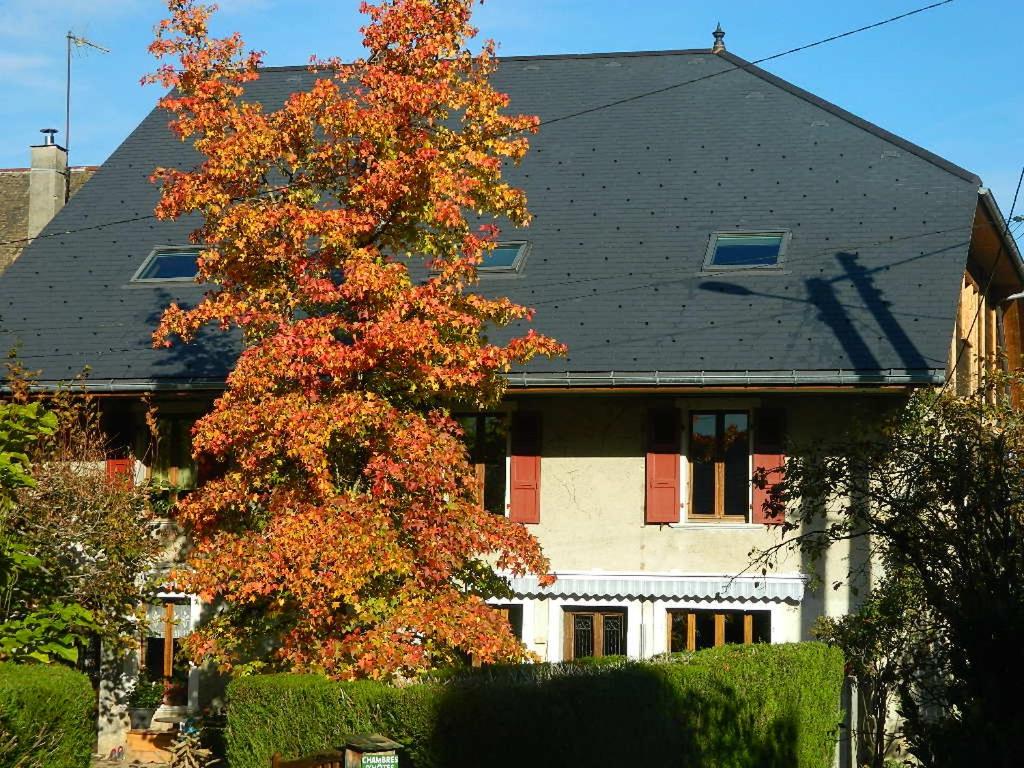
[769, 459]
[123, 469]
[663, 488]
[524, 493]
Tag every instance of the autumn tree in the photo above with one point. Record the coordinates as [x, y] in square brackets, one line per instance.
[75, 543]
[344, 533]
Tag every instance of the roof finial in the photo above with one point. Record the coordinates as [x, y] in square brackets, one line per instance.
[719, 35]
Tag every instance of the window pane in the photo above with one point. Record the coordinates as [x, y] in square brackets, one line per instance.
[502, 257]
[494, 487]
[514, 615]
[582, 635]
[736, 250]
[703, 489]
[173, 465]
[155, 657]
[702, 456]
[762, 626]
[493, 447]
[705, 629]
[494, 439]
[614, 634]
[677, 640]
[736, 449]
[734, 627]
[468, 424]
[171, 265]
[703, 432]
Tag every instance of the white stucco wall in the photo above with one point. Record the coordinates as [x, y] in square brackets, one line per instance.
[592, 508]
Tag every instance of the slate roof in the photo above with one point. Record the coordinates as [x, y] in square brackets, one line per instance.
[625, 199]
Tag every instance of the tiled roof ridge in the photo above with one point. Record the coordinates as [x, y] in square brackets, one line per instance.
[71, 168]
[541, 56]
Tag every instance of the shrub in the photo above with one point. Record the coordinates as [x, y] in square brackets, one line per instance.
[147, 694]
[46, 717]
[739, 706]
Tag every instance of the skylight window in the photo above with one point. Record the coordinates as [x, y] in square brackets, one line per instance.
[171, 263]
[506, 257]
[746, 250]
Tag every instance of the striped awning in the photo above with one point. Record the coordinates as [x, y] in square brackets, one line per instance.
[665, 587]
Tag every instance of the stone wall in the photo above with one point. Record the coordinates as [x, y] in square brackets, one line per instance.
[14, 208]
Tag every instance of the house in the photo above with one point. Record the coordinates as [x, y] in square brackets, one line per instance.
[30, 197]
[736, 265]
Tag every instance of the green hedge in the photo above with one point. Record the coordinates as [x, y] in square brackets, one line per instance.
[761, 705]
[46, 717]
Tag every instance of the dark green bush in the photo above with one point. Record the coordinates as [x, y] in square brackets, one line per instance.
[756, 706]
[46, 717]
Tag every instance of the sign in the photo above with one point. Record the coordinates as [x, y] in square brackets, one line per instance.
[379, 760]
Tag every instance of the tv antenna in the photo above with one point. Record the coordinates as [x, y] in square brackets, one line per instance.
[76, 41]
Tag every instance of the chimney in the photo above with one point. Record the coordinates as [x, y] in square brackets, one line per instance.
[47, 182]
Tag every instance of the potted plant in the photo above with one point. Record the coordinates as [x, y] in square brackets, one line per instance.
[176, 686]
[143, 701]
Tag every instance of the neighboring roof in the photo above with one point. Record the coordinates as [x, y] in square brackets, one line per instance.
[624, 202]
[14, 207]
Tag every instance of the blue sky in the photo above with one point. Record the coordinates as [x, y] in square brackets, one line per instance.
[947, 79]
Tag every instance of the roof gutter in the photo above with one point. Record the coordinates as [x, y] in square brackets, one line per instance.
[565, 380]
[697, 379]
[124, 386]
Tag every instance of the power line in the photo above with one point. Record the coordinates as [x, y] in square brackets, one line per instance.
[572, 115]
[688, 269]
[65, 232]
[747, 65]
[131, 220]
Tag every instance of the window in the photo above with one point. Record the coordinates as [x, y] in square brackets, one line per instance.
[171, 263]
[506, 257]
[167, 624]
[594, 633]
[745, 250]
[89, 657]
[486, 437]
[696, 630]
[514, 615]
[173, 466]
[719, 453]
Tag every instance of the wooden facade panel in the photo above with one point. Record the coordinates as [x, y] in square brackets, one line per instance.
[987, 336]
[1012, 334]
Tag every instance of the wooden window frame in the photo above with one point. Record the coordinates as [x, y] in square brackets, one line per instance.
[167, 638]
[568, 635]
[719, 619]
[719, 515]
